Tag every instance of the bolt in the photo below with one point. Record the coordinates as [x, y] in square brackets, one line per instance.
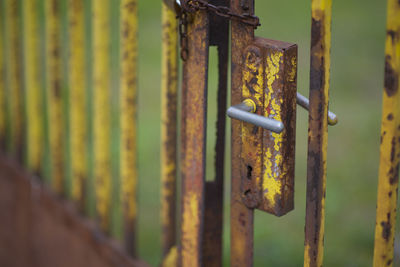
[244, 4]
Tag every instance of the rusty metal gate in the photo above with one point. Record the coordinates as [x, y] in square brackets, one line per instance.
[54, 139]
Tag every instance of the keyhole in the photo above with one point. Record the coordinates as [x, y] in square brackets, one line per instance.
[249, 172]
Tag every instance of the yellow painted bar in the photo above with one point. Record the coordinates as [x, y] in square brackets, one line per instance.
[33, 85]
[54, 93]
[318, 132]
[169, 86]
[2, 79]
[102, 111]
[14, 78]
[77, 100]
[390, 143]
[128, 102]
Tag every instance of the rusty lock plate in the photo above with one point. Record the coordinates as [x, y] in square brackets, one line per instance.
[270, 81]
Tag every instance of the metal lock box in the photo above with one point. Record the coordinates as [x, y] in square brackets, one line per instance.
[269, 86]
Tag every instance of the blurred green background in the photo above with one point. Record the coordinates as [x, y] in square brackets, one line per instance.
[358, 36]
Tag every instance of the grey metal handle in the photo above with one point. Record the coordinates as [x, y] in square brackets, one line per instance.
[305, 103]
[244, 112]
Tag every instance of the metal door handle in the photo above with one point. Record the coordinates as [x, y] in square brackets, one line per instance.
[244, 112]
[305, 103]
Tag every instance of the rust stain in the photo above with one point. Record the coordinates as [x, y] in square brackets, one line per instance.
[242, 227]
[390, 147]
[77, 96]
[55, 103]
[128, 106]
[318, 132]
[193, 140]
[391, 78]
[169, 97]
[269, 80]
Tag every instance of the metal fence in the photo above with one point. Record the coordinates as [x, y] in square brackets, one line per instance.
[65, 132]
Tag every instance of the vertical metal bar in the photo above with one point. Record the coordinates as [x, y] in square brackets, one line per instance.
[128, 102]
[2, 78]
[242, 226]
[33, 85]
[169, 88]
[14, 78]
[390, 143]
[214, 190]
[77, 99]
[194, 103]
[102, 130]
[317, 132]
[54, 93]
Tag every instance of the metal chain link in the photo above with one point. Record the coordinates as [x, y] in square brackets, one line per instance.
[191, 6]
[222, 11]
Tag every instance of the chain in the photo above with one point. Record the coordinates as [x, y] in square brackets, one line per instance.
[191, 6]
[183, 22]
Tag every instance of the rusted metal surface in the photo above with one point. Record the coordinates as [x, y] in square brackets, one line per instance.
[14, 91]
[390, 143]
[171, 259]
[38, 229]
[169, 98]
[317, 132]
[128, 102]
[193, 132]
[214, 190]
[269, 79]
[241, 216]
[33, 86]
[102, 110]
[2, 79]
[55, 93]
[77, 99]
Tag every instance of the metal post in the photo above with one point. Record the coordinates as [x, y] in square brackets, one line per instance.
[128, 102]
[390, 143]
[14, 102]
[102, 129]
[77, 99]
[33, 85]
[55, 93]
[242, 225]
[194, 103]
[2, 78]
[317, 132]
[169, 88]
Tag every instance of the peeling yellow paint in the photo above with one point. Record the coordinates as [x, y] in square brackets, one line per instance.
[253, 84]
[272, 185]
[270, 82]
[33, 85]
[318, 139]
[171, 260]
[77, 100]
[102, 113]
[54, 93]
[190, 226]
[14, 97]
[169, 88]
[128, 102]
[390, 144]
[3, 94]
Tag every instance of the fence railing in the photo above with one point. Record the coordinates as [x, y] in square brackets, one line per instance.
[58, 106]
